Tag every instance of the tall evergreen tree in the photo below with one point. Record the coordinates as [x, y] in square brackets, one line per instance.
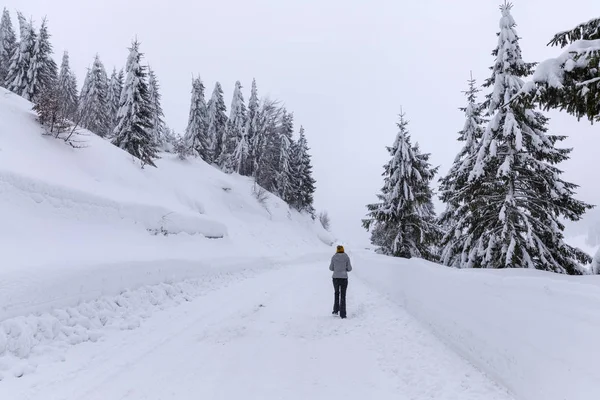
[235, 157]
[134, 119]
[267, 148]
[196, 135]
[403, 222]
[67, 89]
[8, 45]
[456, 183]
[252, 129]
[217, 123]
[115, 86]
[285, 141]
[18, 80]
[303, 187]
[515, 186]
[159, 129]
[94, 106]
[43, 71]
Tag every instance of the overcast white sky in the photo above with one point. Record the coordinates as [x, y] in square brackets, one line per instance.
[344, 67]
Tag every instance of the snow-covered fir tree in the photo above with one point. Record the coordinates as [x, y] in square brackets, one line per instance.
[515, 187]
[303, 187]
[17, 79]
[235, 156]
[571, 81]
[196, 137]
[267, 148]
[159, 129]
[93, 103]
[252, 129]
[67, 89]
[456, 183]
[115, 86]
[403, 222]
[217, 122]
[133, 132]
[8, 45]
[43, 71]
[285, 141]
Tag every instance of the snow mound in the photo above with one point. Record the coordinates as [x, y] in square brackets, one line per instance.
[89, 222]
[531, 331]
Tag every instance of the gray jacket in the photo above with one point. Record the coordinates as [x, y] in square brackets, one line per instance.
[340, 265]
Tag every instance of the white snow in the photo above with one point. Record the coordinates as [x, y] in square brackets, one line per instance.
[531, 331]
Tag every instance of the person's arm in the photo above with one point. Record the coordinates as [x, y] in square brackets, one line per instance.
[348, 265]
[331, 264]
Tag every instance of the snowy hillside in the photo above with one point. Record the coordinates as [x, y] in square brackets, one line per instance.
[83, 222]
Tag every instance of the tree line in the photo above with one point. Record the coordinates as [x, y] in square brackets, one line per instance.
[255, 140]
[504, 196]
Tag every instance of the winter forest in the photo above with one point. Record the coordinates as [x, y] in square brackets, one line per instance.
[256, 139]
[505, 201]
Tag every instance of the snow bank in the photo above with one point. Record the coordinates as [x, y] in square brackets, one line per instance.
[83, 223]
[531, 331]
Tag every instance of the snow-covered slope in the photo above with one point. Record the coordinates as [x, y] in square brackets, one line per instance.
[533, 332]
[78, 223]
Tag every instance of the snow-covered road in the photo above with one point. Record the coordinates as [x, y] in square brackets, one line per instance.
[270, 336]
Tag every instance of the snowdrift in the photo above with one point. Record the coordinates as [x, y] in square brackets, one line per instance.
[531, 331]
[82, 223]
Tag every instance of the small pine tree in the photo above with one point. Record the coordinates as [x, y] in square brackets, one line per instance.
[94, 106]
[454, 185]
[403, 223]
[515, 186]
[159, 129]
[196, 137]
[67, 89]
[8, 45]
[17, 79]
[596, 263]
[217, 123]
[134, 119]
[115, 86]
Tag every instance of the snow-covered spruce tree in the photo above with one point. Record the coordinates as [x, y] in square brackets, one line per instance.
[43, 71]
[18, 80]
[217, 123]
[303, 187]
[235, 155]
[454, 187]
[67, 89]
[571, 81]
[403, 222]
[252, 129]
[8, 45]
[267, 145]
[159, 129]
[93, 104]
[285, 141]
[515, 186]
[133, 132]
[115, 86]
[196, 138]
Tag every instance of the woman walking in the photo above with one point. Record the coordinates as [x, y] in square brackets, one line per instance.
[340, 265]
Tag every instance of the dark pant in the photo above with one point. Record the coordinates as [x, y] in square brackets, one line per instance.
[339, 304]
